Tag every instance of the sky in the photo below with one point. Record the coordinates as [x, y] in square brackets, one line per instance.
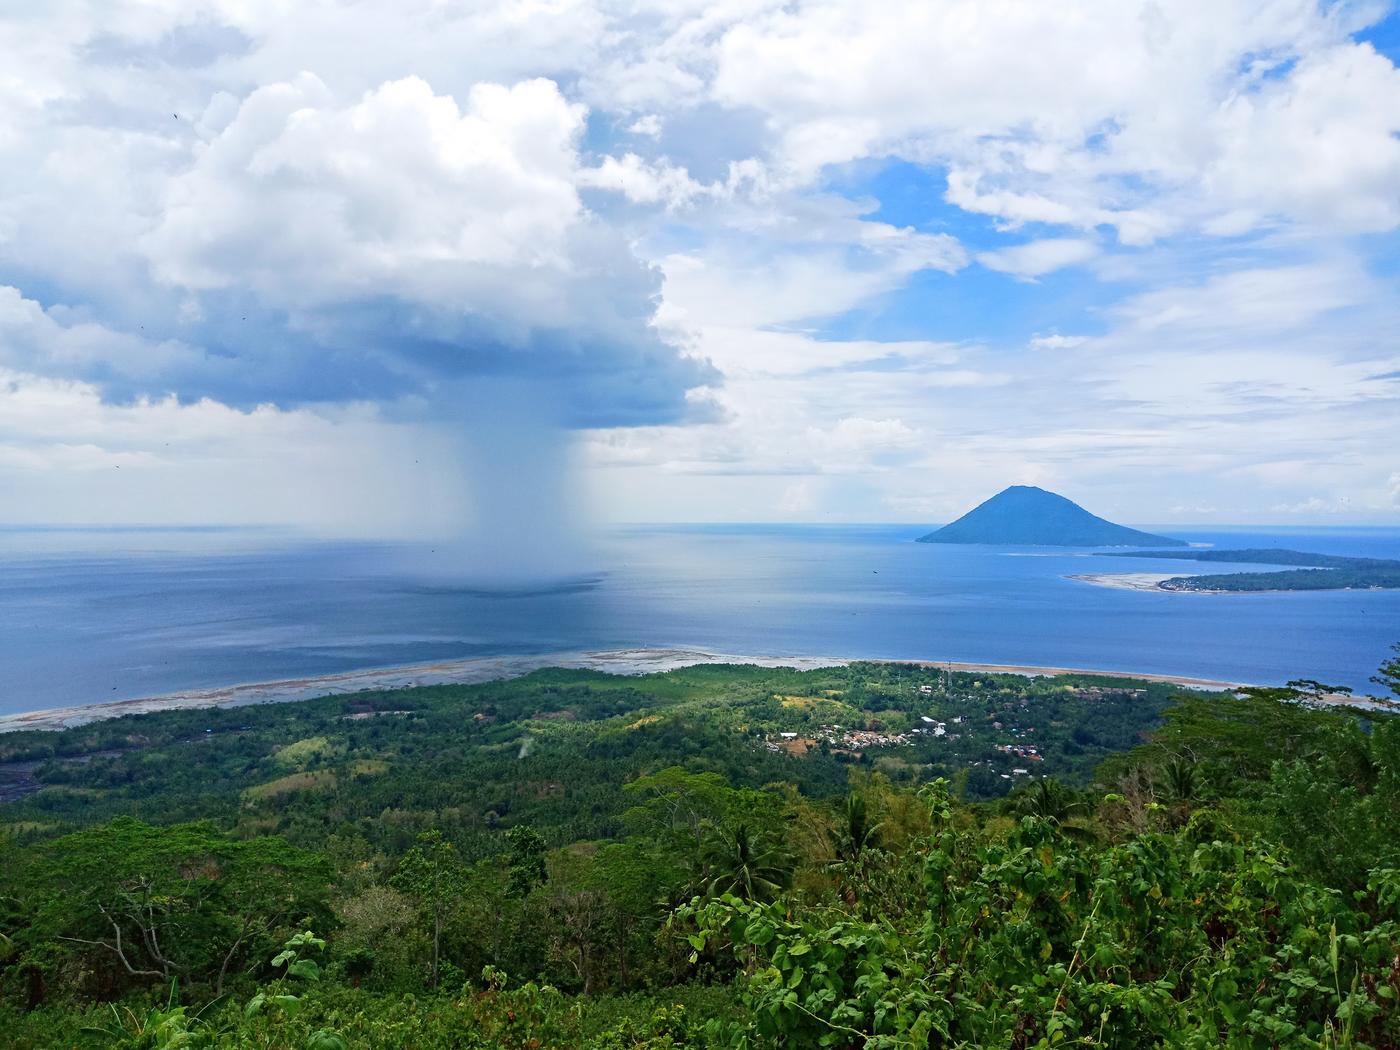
[382, 268]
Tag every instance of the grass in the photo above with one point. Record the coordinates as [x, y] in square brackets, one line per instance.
[323, 778]
[301, 753]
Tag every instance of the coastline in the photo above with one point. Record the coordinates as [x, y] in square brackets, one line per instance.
[1152, 581]
[1130, 581]
[476, 670]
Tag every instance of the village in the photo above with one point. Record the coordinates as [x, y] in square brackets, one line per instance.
[840, 738]
[997, 732]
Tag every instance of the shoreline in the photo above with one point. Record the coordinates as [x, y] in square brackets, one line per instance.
[1129, 581]
[475, 670]
[1152, 581]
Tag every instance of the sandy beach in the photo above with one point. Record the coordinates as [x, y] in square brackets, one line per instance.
[486, 669]
[1151, 581]
[1131, 581]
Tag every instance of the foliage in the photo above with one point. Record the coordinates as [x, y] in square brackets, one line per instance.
[431, 872]
[1167, 940]
[1389, 673]
[114, 906]
[656, 871]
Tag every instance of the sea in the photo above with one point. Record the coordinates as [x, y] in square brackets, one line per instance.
[95, 615]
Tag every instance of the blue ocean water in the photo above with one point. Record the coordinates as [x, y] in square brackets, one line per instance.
[90, 616]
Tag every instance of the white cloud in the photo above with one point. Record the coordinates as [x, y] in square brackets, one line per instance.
[1036, 258]
[645, 182]
[38, 339]
[1312, 507]
[797, 498]
[745, 352]
[649, 125]
[66, 455]
[306, 201]
[1055, 341]
[408, 216]
[1126, 114]
[1321, 144]
[814, 260]
[788, 288]
[1257, 299]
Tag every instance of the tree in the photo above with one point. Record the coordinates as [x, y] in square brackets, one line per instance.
[857, 832]
[527, 860]
[1181, 779]
[432, 873]
[1312, 689]
[1389, 673]
[749, 864]
[149, 903]
[641, 882]
[378, 933]
[1050, 801]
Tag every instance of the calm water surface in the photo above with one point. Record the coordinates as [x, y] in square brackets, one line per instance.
[88, 616]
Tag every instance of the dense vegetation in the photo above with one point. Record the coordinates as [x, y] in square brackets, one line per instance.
[712, 857]
[1318, 572]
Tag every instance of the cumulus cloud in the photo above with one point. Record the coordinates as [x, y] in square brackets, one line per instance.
[692, 229]
[305, 201]
[1130, 115]
[428, 241]
[35, 339]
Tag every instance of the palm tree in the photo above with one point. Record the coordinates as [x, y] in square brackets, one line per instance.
[856, 837]
[747, 863]
[856, 833]
[1052, 802]
[1181, 779]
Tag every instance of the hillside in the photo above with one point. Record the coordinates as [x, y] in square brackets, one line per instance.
[1026, 515]
[713, 857]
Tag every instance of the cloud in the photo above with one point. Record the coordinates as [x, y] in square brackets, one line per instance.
[1055, 341]
[1320, 144]
[415, 242]
[1126, 114]
[305, 201]
[35, 339]
[1037, 258]
[731, 239]
[68, 455]
[649, 125]
[1256, 299]
[745, 352]
[1312, 506]
[807, 260]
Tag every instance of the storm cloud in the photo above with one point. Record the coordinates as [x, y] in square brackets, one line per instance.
[691, 252]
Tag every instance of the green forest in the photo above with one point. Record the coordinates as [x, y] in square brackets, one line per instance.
[1315, 572]
[877, 856]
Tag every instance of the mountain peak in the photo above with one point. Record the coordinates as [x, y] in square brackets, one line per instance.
[1027, 515]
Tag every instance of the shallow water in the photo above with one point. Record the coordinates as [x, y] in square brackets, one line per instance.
[94, 615]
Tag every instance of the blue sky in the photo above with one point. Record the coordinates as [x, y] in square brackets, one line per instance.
[749, 260]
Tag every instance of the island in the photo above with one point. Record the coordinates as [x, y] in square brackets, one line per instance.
[1030, 516]
[1314, 572]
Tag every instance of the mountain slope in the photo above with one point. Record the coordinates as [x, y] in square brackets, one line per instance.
[1023, 514]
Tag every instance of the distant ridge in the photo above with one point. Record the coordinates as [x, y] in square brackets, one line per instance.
[1024, 514]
